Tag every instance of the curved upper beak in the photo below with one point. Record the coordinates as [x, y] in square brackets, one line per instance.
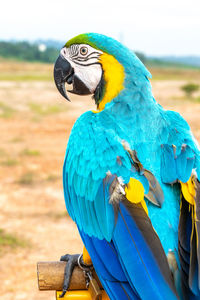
[63, 72]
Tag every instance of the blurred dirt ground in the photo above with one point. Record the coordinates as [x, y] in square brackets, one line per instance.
[35, 123]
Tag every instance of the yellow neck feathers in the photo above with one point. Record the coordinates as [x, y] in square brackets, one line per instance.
[113, 76]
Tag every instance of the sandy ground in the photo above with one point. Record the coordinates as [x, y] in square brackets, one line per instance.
[34, 135]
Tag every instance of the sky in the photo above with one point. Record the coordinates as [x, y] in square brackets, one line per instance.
[154, 27]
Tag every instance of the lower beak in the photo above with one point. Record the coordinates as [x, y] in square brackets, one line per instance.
[63, 72]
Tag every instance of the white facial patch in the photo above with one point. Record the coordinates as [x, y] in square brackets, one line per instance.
[90, 75]
[84, 59]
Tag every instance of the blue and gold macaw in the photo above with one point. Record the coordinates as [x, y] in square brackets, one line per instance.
[131, 176]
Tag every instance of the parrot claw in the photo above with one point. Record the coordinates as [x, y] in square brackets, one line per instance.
[72, 262]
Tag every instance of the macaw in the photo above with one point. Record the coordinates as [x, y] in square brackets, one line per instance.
[131, 175]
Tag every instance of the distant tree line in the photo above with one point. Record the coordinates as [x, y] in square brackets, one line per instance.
[33, 52]
[28, 52]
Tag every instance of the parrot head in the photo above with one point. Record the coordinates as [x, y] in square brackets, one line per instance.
[97, 65]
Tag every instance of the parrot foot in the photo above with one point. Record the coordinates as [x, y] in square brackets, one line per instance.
[72, 262]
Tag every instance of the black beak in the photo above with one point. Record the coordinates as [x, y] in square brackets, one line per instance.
[63, 72]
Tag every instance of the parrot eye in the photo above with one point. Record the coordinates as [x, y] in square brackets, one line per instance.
[83, 50]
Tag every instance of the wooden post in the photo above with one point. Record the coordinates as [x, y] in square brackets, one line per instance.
[51, 277]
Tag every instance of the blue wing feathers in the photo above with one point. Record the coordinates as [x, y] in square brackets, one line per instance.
[190, 163]
[149, 281]
[168, 165]
[176, 165]
[108, 268]
[119, 290]
[92, 217]
[116, 264]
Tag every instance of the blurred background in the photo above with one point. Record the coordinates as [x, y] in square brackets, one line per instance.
[35, 121]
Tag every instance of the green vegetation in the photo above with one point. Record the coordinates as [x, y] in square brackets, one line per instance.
[159, 63]
[13, 70]
[197, 99]
[17, 139]
[26, 76]
[190, 88]
[2, 152]
[10, 162]
[25, 71]
[172, 73]
[57, 215]
[26, 179]
[30, 152]
[25, 51]
[42, 110]
[60, 215]
[6, 111]
[52, 177]
[11, 241]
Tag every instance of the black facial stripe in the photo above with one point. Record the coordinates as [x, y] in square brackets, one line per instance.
[96, 63]
[89, 58]
[78, 58]
[84, 62]
[74, 50]
[92, 54]
[85, 59]
[76, 55]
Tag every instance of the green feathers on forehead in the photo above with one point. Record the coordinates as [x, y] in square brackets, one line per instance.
[95, 40]
[81, 39]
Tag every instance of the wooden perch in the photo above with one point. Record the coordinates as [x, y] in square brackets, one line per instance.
[51, 277]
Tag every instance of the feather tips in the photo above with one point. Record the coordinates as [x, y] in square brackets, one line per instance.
[189, 235]
[155, 194]
[175, 164]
